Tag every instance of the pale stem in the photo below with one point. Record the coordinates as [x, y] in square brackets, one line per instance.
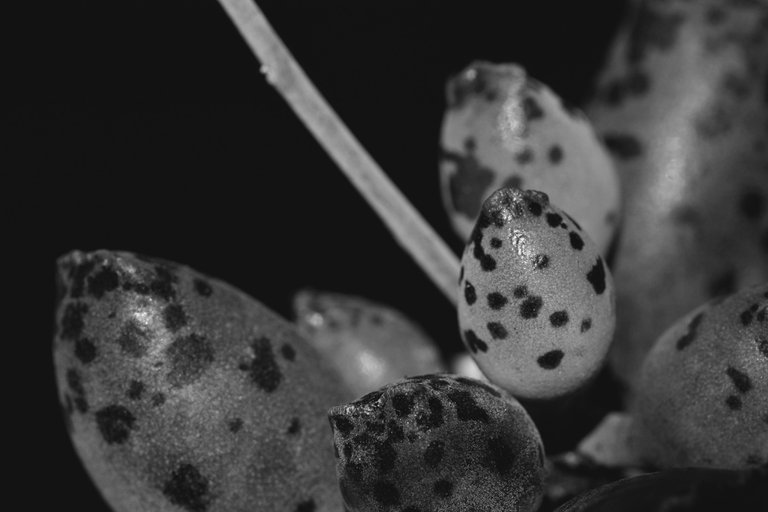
[406, 224]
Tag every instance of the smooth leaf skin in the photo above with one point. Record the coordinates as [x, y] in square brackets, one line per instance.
[369, 344]
[682, 106]
[183, 394]
[679, 490]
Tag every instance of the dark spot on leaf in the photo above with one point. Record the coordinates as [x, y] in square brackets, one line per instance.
[306, 506]
[434, 417]
[395, 432]
[85, 350]
[551, 359]
[733, 402]
[690, 334]
[163, 283]
[403, 404]
[188, 489]
[133, 340]
[136, 390]
[534, 207]
[497, 330]
[576, 241]
[115, 423]
[555, 154]
[289, 353]
[586, 324]
[474, 343]
[174, 317]
[746, 317]
[202, 287]
[78, 274]
[520, 291]
[294, 427]
[652, 29]
[530, 307]
[189, 357]
[443, 488]
[499, 455]
[434, 454]
[105, 280]
[72, 322]
[525, 156]
[558, 318]
[596, 276]
[488, 263]
[762, 345]
[554, 219]
[740, 380]
[234, 425]
[466, 407]
[469, 293]
[496, 301]
[262, 368]
[75, 384]
[385, 457]
[532, 109]
[342, 425]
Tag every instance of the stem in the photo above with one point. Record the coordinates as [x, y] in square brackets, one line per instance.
[405, 223]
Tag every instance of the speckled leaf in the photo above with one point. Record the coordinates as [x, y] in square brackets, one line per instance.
[682, 107]
[438, 442]
[536, 301]
[702, 398]
[181, 393]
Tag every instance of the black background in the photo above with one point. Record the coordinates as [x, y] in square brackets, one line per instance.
[146, 126]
